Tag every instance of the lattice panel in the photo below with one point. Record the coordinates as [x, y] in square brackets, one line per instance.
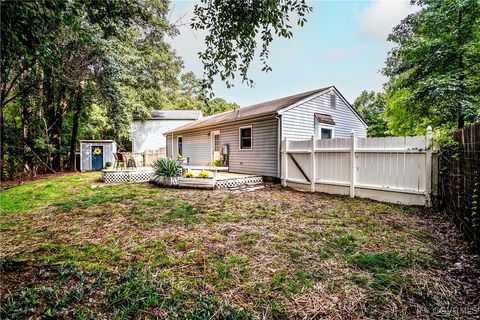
[231, 183]
[127, 176]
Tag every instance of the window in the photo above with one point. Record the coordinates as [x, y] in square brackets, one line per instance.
[326, 133]
[216, 142]
[246, 138]
[333, 100]
[180, 145]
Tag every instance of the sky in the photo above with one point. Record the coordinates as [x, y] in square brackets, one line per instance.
[343, 44]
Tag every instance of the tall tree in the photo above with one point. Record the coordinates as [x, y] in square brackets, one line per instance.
[234, 28]
[434, 71]
[371, 106]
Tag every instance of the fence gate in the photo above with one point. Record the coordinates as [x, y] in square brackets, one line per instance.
[392, 169]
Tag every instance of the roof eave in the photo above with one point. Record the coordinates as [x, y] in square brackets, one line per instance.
[261, 115]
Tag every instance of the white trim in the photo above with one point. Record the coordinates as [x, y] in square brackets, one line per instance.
[240, 137]
[313, 96]
[350, 106]
[212, 143]
[328, 90]
[324, 126]
[177, 146]
[81, 157]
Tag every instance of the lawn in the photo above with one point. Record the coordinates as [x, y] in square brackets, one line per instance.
[73, 247]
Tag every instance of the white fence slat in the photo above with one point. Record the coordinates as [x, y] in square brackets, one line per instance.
[399, 165]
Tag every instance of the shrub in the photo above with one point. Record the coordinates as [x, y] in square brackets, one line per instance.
[166, 167]
[203, 174]
[218, 163]
[189, 175]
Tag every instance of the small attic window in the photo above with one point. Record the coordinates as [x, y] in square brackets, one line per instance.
[333, 101]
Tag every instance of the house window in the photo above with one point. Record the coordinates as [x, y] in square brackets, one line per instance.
[333, 100]
[180, 145]
[246, 138]
[326, 133]
[216, 142]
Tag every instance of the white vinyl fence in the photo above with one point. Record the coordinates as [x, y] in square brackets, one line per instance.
[392, 169]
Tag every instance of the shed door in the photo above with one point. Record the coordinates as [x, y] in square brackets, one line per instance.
[97, 157]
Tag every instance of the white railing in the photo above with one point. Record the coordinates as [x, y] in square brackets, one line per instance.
[146, 158]
[391, 169]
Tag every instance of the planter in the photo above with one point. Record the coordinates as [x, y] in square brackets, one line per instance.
[166, 181]
[196, 183]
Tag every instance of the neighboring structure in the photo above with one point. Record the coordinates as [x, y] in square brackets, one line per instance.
[254, 133]
[147, 135]
[95, 153]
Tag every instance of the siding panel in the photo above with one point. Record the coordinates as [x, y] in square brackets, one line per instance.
[261, 160]
[299, 122]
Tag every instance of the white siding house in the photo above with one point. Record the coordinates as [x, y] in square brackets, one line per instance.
[148, 135]
[252, 135]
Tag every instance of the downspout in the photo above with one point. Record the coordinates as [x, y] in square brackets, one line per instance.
[279, 144]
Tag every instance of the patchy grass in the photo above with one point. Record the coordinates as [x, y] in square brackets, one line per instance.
[75, 248]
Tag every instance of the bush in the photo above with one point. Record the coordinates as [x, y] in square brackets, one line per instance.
[166, 167]
[218, 163]
[189, 175]
[203, 174]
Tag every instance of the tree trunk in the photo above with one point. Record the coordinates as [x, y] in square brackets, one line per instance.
[26, 111]
[49, 105]
[2, 140]
[57, 129]
[76, 117]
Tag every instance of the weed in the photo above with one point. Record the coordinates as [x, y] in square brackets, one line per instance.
[184, 212]
[378, 261]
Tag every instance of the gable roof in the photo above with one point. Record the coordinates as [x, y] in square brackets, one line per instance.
[260, 109]
[175, 115]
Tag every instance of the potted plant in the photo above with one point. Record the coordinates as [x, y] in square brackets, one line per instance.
[167, 171]
[108, 165]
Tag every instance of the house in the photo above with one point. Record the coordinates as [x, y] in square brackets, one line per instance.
[252, 135]
[147, 135]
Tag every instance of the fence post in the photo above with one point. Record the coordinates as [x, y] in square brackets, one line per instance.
[352, 165]
[428, 166]
[312, 163]
[284, 161]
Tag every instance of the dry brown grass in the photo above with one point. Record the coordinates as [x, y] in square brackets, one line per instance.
[281, 253]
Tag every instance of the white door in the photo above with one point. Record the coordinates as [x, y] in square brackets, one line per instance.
[215, 145]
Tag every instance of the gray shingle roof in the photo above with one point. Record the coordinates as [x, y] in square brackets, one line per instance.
[176, 114]
[260, 109]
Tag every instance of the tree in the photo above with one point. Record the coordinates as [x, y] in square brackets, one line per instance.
[434, 72]
[234, 27]
[371, 106]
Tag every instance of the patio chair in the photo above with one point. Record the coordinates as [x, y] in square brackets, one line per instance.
[119, 159]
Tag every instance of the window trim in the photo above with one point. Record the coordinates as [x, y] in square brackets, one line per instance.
[240, 138]
[212, 143]
[325, 126]
[178, 137]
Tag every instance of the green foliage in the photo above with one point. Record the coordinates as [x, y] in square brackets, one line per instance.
[378, 261]
[183, 212]
[233, 28]
[166, 167]
[433, 70]
[370, 106]
[204, 175]
[189, 174]
[218, 163]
